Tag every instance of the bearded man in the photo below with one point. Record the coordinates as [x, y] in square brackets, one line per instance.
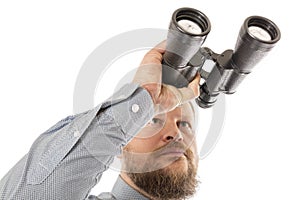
[149, 125]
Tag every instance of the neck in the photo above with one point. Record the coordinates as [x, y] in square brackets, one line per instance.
[125, 177]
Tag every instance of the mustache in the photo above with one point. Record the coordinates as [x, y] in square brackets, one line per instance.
[134, 162]
[172, 147]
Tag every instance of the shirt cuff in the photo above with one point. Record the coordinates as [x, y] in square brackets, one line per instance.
[132, 111]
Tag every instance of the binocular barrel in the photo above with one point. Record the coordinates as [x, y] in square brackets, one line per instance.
[257, 36]
[187, 32]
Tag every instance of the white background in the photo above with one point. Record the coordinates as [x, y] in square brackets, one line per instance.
[44, 44]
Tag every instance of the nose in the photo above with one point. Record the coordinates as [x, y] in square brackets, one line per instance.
[172, 133]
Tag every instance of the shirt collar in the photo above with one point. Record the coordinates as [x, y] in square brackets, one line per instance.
[122, 190]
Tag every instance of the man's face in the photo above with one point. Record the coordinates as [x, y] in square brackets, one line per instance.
[164, 151]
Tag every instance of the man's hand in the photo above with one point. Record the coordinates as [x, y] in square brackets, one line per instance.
[165, 97]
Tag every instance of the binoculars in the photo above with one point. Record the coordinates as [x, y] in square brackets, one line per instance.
[184, 56]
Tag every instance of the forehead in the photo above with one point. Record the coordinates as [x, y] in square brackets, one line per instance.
[182, 111]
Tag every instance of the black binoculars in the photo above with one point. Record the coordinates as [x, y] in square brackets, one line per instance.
[184, 56]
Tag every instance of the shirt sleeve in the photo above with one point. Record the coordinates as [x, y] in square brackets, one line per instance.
[67, 160]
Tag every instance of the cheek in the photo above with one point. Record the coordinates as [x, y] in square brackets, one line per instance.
[194, 150]
[141, 145]
[149, 132]
[147, 140]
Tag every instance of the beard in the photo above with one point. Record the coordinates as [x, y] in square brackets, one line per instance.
[169, 182]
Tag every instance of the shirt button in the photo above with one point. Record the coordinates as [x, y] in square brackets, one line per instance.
[135, 108]
[76, 134]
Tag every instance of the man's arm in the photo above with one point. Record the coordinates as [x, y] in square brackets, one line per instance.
[68, 160]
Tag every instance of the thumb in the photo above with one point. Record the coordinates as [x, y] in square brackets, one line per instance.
[192, 91]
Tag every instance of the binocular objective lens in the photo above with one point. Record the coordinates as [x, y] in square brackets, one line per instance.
[259, 33]
[189, 26]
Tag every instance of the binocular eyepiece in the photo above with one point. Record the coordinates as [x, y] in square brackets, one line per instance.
[184, 56]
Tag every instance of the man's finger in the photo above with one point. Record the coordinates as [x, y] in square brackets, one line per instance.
[155, 55]
[194, 85]
[192, 91]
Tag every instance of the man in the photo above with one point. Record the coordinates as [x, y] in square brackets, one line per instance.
[160, 162]
[151, 121]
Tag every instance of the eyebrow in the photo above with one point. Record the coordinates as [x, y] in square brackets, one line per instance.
[160, 115]
[187, 117]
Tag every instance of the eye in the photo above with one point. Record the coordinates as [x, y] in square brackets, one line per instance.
[184, 125]
[156, 121]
